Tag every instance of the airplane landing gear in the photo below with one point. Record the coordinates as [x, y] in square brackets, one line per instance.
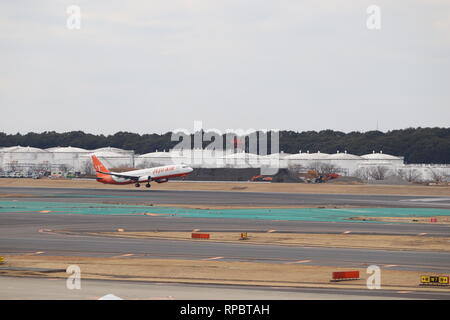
[137, 185]
[148, 182]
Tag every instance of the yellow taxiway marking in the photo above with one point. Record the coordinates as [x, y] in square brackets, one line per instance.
[422, 234]
[403, 291]
[213, 258]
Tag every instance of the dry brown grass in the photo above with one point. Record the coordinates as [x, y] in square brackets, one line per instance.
[389, 242]
[426, 220]
[212, 272]
[415, 190]
[14, 195]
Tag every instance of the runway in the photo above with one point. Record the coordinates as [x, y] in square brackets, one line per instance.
[146, 197]
[79, 245]
[38, 233]
[140, 196]
[20, 231]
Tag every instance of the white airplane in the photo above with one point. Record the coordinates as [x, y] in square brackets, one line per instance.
[158, 174]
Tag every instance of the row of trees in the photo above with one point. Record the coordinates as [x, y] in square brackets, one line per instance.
[379, 172]
[406, 174]
[417, 145]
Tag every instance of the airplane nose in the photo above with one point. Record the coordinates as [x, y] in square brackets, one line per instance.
[190, 169]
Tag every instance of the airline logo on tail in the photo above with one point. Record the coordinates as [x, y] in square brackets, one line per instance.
[98, 165]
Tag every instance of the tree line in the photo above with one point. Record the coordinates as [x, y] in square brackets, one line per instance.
[417, 145]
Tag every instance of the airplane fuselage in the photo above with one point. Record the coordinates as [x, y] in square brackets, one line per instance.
[158, 174]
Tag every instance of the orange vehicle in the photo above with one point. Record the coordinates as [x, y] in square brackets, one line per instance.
[316, 177]
[261, 178]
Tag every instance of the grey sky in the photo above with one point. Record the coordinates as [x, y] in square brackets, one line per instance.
[154, 66]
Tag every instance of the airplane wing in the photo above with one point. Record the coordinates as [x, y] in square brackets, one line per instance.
[120, 175]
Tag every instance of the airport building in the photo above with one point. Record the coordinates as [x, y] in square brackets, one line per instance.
[60, 160]
[19, 161]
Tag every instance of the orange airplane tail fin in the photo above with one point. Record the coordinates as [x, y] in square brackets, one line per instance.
[98, 165]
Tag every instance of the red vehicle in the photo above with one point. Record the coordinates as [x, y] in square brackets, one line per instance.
[261, 178]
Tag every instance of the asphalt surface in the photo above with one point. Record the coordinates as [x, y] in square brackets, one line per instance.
[143, 223]
[228, 198]
[39, 233]
[38, 288]
[32, 240]
[35, 232]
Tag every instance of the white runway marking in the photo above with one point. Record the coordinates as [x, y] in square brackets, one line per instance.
[127, 255]
[110, 297]
[35, 253]
[123, 255]
[300, 261]
[213, 258]
[162, 298]
[427, 199]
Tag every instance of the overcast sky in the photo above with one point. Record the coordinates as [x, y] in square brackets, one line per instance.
[154, 66]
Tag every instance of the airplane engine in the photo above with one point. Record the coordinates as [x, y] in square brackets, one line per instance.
[162, 180]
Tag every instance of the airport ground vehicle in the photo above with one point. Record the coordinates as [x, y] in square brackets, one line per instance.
[261, 178]
[313, 176]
